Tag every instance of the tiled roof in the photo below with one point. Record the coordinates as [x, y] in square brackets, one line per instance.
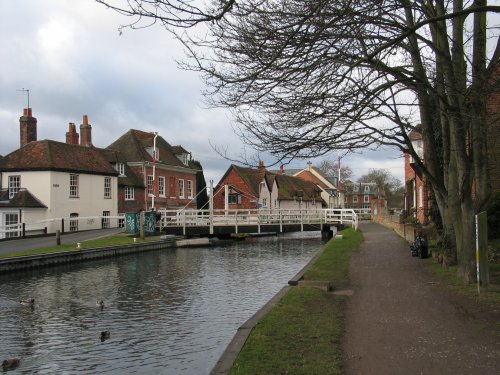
[350, 188]
[133, 148]
[23, 198]
[177, 150]
[252, 177]
[290, 187]
[57, 156]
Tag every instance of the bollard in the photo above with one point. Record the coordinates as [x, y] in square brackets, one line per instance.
[58, 237]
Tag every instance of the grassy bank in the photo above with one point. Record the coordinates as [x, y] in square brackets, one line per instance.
[302, 333]
[119, 239]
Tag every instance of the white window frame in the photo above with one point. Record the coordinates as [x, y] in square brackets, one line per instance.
[354, 199]
[366, 199]
[367, 189]
[73, 222]
[190, 189]
[11, 218]
[181, 188]
[74, 182]
[107, 187]
[420, 196]
[120, 168]
[150, 184]
[105, 219]
[161, 186]
[14, 185]
[129, 193]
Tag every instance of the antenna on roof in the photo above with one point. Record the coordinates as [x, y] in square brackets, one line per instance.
[27, 91]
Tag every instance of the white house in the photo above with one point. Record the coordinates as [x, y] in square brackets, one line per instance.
[53, 185]
[279, 191]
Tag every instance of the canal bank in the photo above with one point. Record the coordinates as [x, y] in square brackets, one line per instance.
[304, 317]
[29, 262]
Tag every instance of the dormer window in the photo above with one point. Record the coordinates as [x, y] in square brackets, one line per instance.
[14, 185]
[356, 188]
[154, 153]
[120, 168]
[367, 189]
[184, 158]
[418, 146]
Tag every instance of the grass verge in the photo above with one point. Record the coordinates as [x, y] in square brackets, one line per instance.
[119, 239]
[302, 333]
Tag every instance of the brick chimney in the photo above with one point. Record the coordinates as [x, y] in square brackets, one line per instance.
[27, 124]
[72, 137]
[85, 132]
[261, 165]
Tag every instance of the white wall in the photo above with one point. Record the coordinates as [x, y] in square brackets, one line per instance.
[52, 189]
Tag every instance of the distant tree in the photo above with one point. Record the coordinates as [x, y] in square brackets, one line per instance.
[390, 186]
[201, 185]
[331, 168]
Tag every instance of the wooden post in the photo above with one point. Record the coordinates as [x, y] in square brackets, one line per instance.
[483, 277]
[141, 225]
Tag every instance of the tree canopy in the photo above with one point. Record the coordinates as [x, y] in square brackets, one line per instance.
[307, 77]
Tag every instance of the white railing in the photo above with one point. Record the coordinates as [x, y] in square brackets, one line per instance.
[256, 217]
[63, 224]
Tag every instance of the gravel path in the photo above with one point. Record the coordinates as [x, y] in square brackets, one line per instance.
[401, 321]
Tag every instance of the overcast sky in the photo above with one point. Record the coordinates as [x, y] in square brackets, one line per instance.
[72, 59]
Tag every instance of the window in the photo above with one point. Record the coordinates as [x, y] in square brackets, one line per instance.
[190, 189]
[129, 193]
[105, 219]
[367, 189]
[73, 186]
[356, 188]
[181, 188]
[73, 222]
[234, 199]
[366, 199]
[421, 196]
[161, 186]
[11, 219]
[107, 187]
[120, 167]
[345, 199]
[14, 185]
[264, 202]
[354, 199]
[150, 184]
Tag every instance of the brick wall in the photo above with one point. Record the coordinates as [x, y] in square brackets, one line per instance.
[248, 199]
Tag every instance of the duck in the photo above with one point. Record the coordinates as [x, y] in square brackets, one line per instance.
[100, 304]
[10, 363]
[105, 335]
[27, 302]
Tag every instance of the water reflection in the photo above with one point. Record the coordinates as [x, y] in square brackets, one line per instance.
[168, 312]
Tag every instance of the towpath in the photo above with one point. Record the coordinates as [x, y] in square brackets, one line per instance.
[401, 321]
[20, 244]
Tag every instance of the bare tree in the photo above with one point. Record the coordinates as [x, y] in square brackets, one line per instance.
[391, 188]
[331, 168]
[305, 77]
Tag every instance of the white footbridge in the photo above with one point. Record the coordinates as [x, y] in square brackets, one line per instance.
[213, 222]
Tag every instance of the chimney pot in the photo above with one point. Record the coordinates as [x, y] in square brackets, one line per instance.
[27, 125]
[85, 119]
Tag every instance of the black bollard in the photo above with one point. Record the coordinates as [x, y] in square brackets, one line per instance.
[58, 237]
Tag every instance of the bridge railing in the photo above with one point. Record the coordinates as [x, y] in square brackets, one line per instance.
[258, 217]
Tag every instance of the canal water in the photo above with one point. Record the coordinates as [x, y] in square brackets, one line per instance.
[168, 312]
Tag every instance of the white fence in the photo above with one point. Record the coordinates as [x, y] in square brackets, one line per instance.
[256, 217]
[66, 224]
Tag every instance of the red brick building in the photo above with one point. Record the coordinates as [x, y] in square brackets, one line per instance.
[243, 188]
[417, 191]
[150, 177]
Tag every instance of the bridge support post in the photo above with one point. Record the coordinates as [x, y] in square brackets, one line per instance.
[326, 232]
